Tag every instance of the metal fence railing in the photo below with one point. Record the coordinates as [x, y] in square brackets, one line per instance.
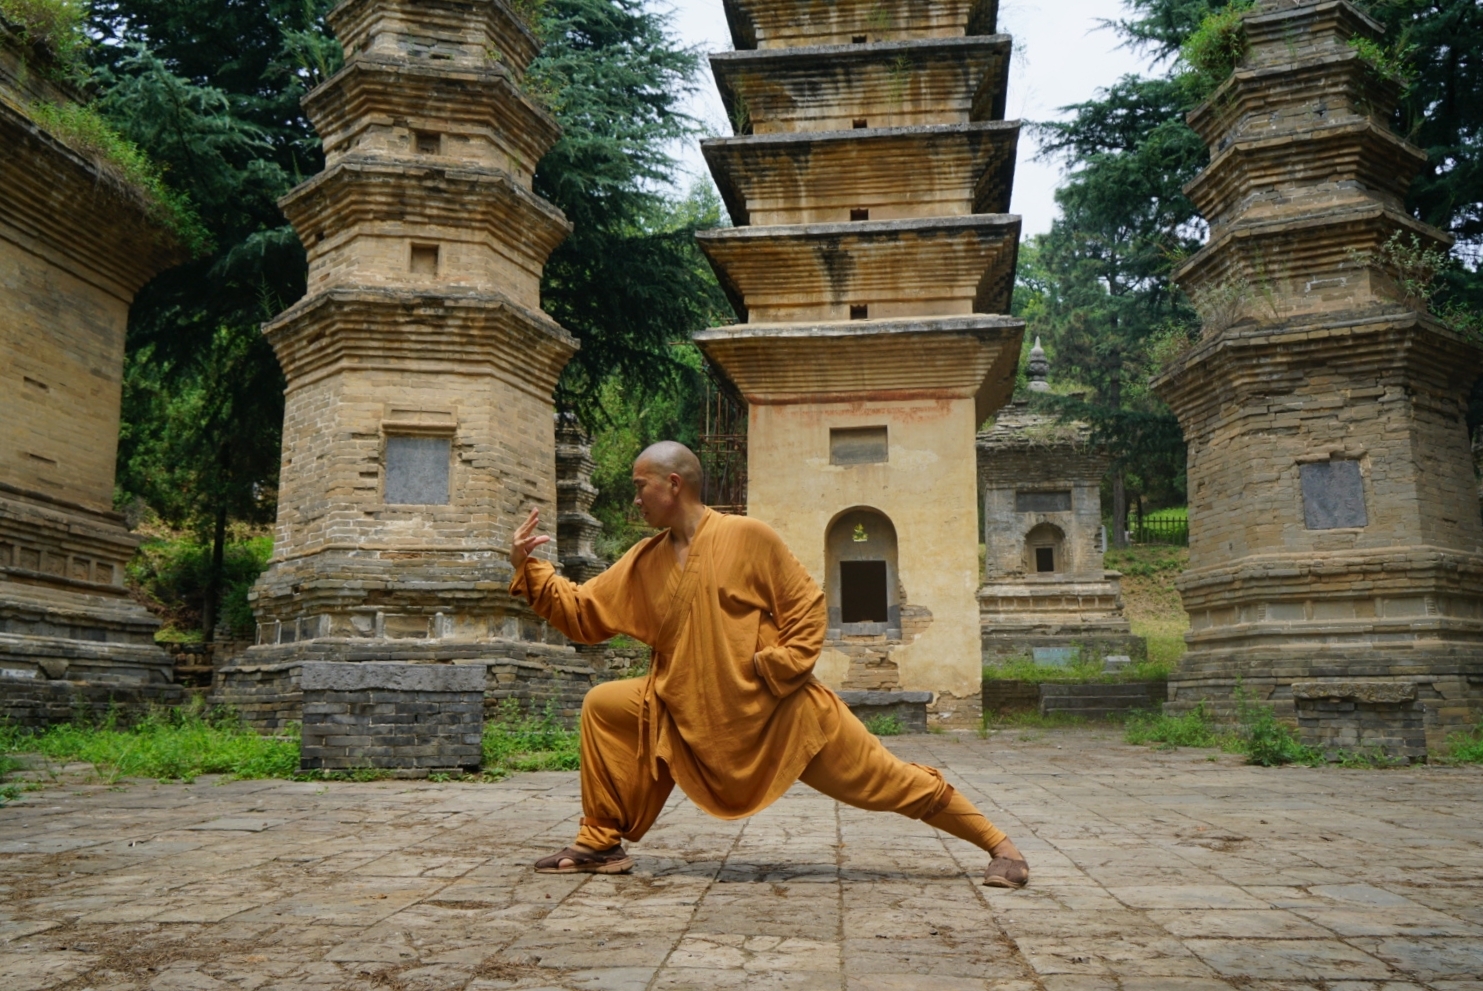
[1173, 532]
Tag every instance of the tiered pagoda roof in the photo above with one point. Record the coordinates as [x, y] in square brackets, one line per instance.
[869, 176]
[429, 143]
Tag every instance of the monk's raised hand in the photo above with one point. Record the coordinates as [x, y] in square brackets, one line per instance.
[527, 540]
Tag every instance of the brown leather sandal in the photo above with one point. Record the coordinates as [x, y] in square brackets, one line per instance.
[610, 861]
[1004, 872]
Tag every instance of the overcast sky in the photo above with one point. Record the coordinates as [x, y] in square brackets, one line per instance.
[1061, 57]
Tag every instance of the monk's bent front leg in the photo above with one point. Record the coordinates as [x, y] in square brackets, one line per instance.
[620, 798]
[856, 768]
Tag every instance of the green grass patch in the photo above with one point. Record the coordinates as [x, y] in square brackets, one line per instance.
[885, 724]
[85, 131]
[1076, 673]
[518, 742]
[1192, 729]
[1465, 748]
[167, 744]
[1258, 735]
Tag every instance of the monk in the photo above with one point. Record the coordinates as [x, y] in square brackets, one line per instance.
[730, 709]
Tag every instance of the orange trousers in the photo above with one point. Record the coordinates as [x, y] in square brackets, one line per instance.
[854, 768]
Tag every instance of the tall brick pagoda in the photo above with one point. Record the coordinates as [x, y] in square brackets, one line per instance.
[419, 423]
[76, 243]
[1335, 546]
[871, 267]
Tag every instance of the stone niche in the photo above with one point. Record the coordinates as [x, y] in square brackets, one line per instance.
[419, 425]
[1044, 586]
[76, 244]
[871, 267]
[1334, 517]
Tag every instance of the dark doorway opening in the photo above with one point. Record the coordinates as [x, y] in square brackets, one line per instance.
[1045, 559]
[862, 591]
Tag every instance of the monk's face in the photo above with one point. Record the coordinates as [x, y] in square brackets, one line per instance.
[656, 494]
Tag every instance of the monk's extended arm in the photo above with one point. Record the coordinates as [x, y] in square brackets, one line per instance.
[589, 613]
[798, 609]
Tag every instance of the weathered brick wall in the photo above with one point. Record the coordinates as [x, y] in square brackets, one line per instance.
[1098, 701]
[1362, 717]
[35, 703]
[411, 718]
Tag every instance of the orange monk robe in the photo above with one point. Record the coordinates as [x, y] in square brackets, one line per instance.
[733, 741]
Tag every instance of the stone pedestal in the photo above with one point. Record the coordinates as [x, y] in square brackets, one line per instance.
[1334, 523]
[412, 719]
[871, 265]
[76, 244]
[1361, 717]
[418, 428]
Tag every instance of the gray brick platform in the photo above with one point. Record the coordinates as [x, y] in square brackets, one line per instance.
[412, 718]
[37, 703]
[910, 708]
[1361, 716]
[1098, 701]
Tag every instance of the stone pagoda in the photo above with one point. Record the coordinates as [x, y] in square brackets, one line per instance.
[871, 267]
[1046, 595]
[76, 243]
[1335, 545]
[419, 425]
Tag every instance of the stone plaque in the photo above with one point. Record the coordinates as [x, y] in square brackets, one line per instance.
[1042, 502]
[858, 446]
[1333, 495]
[417, 470]
[1055, 657]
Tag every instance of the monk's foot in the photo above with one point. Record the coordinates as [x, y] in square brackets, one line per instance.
[577, 859]
[1008, 869]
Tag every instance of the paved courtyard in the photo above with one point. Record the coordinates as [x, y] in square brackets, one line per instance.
[1151, 870]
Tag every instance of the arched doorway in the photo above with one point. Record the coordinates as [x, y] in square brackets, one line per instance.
[1044, 549]
[862, 585]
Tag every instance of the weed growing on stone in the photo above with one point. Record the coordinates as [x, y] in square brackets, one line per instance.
[1263, 739]
[1192, 729]
[8, 792]
[514, 741]
[886, 724]
[1465, 748]
[167, 744]
[1029, 721]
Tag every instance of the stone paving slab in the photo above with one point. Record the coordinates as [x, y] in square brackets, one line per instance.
[1152, 870]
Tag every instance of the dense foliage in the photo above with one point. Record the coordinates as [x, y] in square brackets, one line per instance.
[212, 94]
[1097, 287]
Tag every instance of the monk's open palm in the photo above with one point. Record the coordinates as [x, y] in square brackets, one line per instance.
[527, 540]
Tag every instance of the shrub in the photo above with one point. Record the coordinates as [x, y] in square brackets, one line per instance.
[1466, 748]
[1192, 729]
[1263, 739]
[885, 724]
[1215, 49]
[517, 742]
[57, 27]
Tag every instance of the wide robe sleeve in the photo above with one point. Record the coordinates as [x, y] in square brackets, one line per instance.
[793, 636]
[592, 612]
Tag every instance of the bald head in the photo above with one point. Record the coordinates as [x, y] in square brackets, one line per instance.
[668, 458]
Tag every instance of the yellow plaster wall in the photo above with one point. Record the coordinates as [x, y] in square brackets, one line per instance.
[927, 489]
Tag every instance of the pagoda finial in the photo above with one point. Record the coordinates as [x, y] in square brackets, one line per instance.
[1039, 368]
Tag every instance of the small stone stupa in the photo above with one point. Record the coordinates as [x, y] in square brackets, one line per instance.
[1045, 594]
[419, 425]
[1335, 545]
[871, 265]
[76, 244]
